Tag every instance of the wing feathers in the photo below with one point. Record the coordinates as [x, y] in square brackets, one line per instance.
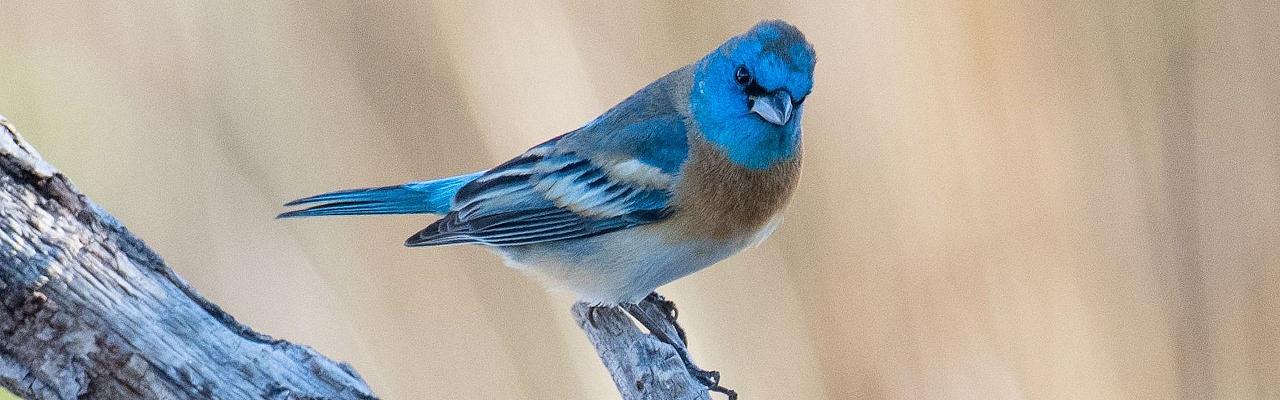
[545, 197]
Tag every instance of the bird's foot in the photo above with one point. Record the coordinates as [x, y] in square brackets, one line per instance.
[666, 310]
[669, 309]
[710, 379]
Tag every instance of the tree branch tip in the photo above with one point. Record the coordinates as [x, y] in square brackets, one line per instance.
[19, 150]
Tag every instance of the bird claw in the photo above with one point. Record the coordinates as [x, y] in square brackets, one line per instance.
[708, 378]
[668, 307]
[711, 379]
[732, 395]
[669, 310]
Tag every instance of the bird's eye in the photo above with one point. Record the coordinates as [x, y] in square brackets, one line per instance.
[742, 76]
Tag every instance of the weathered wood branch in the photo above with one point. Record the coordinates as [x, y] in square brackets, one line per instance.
[643, 367]
[87, 311]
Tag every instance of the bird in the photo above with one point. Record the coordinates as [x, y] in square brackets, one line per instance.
[689, 170]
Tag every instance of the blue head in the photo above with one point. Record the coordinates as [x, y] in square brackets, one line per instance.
[748, 94]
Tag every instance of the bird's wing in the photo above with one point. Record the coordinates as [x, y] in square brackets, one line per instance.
[614, 173]
[551, 193]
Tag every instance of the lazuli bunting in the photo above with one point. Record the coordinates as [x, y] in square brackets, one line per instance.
[687, 171]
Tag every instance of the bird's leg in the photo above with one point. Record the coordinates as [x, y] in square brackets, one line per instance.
[668, 308]
[655, 314]
[655, 322]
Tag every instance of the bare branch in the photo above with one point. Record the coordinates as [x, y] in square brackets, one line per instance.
[87, 311]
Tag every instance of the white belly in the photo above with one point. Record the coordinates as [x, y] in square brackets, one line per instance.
[624, 266]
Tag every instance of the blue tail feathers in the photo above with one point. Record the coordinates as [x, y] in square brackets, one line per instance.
[430, 197]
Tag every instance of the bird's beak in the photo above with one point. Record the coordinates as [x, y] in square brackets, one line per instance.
[774, 107]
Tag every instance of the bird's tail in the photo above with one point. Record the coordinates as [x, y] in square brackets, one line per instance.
[430, 197]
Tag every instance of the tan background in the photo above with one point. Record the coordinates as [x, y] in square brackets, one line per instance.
[1013, 200]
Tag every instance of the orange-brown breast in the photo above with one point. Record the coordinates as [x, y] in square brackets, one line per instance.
[722, 200]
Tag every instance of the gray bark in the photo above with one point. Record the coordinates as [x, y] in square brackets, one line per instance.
[88, 311]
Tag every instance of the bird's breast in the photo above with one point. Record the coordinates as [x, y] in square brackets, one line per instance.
[718, 199]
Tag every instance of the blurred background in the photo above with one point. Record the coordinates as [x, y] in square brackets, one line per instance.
[1000, 200]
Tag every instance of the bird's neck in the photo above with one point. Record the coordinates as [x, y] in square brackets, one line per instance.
[752, 143]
